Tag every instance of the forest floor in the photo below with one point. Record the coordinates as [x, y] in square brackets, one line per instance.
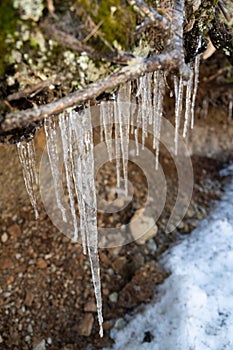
[47, 298]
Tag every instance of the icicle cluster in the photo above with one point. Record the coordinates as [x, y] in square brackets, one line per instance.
[190, 98]
[26, 152]
[117, 120]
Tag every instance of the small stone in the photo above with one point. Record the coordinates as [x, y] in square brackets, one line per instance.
[107, 325]
[119, 263]
[10, 280]
[30, 330]
[4, 237]
[49, 341]
[40, 346]
[27, 339]
[120, 323]
[41, 263]
[14, 230]
[90, 306]
[105, 291]
[1, 340]
[86, 324]
[142, 227]
[5, 263]
[113, 297]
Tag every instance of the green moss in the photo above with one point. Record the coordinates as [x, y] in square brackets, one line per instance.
[118, 20]
[7, 27]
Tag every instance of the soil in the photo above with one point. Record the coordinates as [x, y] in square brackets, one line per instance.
[47, 299]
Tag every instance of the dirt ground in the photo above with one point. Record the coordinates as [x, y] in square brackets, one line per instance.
[46, 289]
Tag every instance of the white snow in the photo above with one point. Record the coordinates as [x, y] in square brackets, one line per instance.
[193, 308]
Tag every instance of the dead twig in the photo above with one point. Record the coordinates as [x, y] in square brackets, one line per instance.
[34, 89]
[152, 15]
[94, 31]
[65, 39]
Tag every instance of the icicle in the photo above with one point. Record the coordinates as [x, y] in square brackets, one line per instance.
[158, 93]
[195, 85]
[84, 178]
[124, 95]
[66, 131]
[26, 152]
[188, 101]
[133, 111]
[77, 144]
[178, 108]
[106, 112]
[136, 141]
[117, 144]
[145, 112]
[51, 142]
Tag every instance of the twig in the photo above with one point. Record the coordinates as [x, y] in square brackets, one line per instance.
[34, 89]
[65, 39]
[51, 7]
[151, 13]
[94, 31]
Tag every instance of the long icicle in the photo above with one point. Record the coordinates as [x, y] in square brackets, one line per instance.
[67, 152]
[53, 154]
[178, 87]
[188, 103]
[123, 105]
[87, 198]
[195, 86]
[159, 90]
[26, 152]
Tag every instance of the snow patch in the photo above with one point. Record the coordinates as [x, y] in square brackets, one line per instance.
[193, 309]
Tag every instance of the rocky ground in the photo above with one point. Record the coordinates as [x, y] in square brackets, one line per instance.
[47, 299]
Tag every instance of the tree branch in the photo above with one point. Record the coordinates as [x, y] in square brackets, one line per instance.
[172, 59]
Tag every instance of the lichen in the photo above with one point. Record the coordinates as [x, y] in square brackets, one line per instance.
[30, 9]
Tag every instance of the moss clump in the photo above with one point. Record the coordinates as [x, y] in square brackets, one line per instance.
[7, 28]
[117, 18]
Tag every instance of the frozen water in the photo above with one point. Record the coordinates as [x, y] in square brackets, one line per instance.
[53, 154]
[158, 94]
[178, 87]
[66, 132]
[26, 152]
[195, 86]
[84, 178]
[188, 103]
